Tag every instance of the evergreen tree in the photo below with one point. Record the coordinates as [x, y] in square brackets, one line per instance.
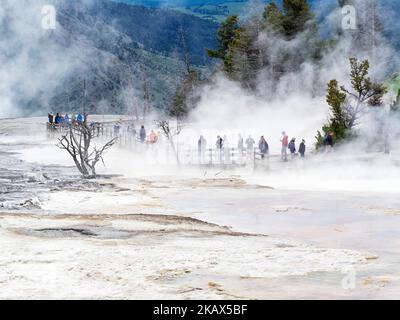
[365, 91]
[245, 55]
[294, 18]
[227, 34]
[347, 105]
[337, 124]
[185, 97]
[273, 18]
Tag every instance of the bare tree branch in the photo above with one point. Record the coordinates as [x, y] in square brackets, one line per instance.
[77, 142]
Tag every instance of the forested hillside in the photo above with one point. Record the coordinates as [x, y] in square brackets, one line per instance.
[116, 56]
[218, 10]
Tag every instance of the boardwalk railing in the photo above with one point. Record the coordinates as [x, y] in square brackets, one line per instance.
[225, 157]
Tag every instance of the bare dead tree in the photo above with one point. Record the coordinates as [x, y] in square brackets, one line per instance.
[170, 133]
[78, 142]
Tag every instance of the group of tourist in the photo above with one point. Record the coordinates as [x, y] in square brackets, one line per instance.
[60, 120]
[152, 138]
[291, 146]
[248, 145]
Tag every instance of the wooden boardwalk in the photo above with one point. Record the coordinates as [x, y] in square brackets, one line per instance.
[225, 158]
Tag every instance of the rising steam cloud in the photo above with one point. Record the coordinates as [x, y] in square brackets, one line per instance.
[296, 104]
[31, 65]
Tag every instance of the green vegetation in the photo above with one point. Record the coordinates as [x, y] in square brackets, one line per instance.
[228, 35]
[346, 105]
[294, 17]
[242, 55]
[185, 97]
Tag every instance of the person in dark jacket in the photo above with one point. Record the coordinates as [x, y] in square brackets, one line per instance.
[263, 146]
[80, 118]
[66, 120]
[302, 148]
[328, 142]
[57, 119]
[219, 144]
[117, 128]
[50, 117]
[292, 146]
[142, 134]
[201, 147]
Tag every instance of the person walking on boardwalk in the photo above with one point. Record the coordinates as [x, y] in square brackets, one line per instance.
[263, 146]
[80, 118]
[153, 137]
[201, 149]
[117, 128]
[302, 148]
[328, 142]
[250, 147]
[50, 116]
[57, 119]
[292, 147]
[67, 119]
[142, 134]
[285, 142]
[219, 145]
[131, 130]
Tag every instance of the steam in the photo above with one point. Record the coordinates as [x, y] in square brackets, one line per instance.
[31, 65]
[296, 104]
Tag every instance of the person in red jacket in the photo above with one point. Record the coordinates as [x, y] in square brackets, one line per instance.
[153, 137]
[285, 142]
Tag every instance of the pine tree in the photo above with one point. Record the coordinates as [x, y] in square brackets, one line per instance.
[294, 18]
[227, 34]
[245, 55]
[364, 90]
[347, 105]
[184, 99]
[273, 18]
[337, 124]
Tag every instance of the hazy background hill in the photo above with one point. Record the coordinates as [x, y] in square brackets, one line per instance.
[111, 55]
[149, 41]
[119, 51]
[218, 10]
